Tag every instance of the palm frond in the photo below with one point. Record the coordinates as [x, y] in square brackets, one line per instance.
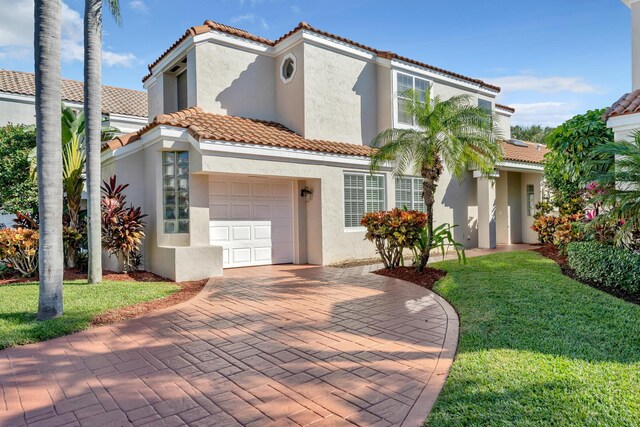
[114, 9]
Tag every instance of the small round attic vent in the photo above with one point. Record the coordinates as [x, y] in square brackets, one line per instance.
[288, 68]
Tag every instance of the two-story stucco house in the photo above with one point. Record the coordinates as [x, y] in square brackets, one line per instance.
[257, 153]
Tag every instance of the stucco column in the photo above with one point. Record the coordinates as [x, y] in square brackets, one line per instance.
[199, 210]
[634, 5]
[486, 213]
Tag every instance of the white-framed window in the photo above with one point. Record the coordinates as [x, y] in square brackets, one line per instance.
[288, 68]
[531, 199]
[485, 105]
[362, 193]
[175, 191]
[409, 193]
[403, 83]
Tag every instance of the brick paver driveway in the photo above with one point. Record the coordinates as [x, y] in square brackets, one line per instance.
[281, 345]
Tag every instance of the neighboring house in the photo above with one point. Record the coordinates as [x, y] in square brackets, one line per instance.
[258, 153]
[124, 109]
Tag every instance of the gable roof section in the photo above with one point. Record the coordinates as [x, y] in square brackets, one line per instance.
[215, 26]
[115, 100]
[532, 153]
[629, 103]
[206, 126]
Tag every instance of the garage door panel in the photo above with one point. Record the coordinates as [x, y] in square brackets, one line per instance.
[240, 189]
[262, 232]
[240, 211]
[252, 220]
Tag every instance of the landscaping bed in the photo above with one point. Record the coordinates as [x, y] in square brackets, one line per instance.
[550, 251]
[426, 279]
[537, 347]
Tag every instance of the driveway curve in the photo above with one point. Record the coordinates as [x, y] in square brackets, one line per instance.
[274, 345]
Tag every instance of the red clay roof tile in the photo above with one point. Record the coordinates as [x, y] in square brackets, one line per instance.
[532, 153]
[629, 103]
[215, 26]
[206, 126]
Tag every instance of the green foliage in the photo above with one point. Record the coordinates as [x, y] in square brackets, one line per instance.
[392, 232]
[18, 189]
[19, 250]
[122, 226]
[442, 240]
[82, 302]
[534, 133]
[537, 348]
[568, 166]
[451, 133]
[606, 265]
[621, 184]
[73, 160]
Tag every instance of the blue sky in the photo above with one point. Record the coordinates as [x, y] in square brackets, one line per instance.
[553, 58]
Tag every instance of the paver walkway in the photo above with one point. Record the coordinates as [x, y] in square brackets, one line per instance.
[276, 345]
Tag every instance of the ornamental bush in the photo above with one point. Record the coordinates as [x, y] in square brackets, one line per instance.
[19, 250]
[605, 265]
[393, 231]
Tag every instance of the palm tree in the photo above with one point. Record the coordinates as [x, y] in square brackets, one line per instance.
[93, 114]
[622, 184]
[48, 99]
[450, 133]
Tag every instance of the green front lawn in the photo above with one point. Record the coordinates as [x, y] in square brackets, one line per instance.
[537, 348]
[19, 303]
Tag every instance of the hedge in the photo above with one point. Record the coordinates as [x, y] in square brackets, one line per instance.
[606, 265]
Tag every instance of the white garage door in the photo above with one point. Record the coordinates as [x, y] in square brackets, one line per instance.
[252, 219]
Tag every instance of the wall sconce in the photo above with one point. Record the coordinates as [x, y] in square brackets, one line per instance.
[306, 192]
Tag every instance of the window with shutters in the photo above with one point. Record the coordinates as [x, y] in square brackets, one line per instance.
[362, 193]
[409, 193]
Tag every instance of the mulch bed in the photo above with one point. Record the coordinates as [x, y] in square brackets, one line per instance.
[187, 291]
[76, 274]
[550, 251]
[426, 279]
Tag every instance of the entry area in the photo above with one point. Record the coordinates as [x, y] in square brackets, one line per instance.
[252, 219]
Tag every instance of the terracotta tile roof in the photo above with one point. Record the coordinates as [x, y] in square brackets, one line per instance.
[206, 126]
[114, 99]
[506, 107]
[629, 103]
[529, 154]
[214, 26]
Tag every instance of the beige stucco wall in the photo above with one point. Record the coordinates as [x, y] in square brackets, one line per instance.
[17, 112]
[290, 96]
[235, 82]
[339, 96]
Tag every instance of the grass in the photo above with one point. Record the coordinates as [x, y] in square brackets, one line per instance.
[537, 348]
[19, 303]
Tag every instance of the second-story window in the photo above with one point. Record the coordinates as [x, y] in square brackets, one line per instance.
[404, 83]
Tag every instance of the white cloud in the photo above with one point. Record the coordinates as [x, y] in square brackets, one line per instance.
[553, 84]
[16, 34]
[122, 59]
[139, 5]
[544, 113]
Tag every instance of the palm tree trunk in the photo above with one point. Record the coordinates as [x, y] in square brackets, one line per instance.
[430, 176]
[49, 158]
[93, 125]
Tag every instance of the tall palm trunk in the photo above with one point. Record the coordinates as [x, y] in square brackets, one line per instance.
[430, 177]
[48, 130]
[93, 125]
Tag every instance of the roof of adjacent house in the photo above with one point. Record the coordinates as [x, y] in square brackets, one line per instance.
[506, 107]
[629, 103]
[525, 151]
[115, 100]
[206, 126]
[215, 26]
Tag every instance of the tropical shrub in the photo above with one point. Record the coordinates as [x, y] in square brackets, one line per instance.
[19, 250]
[567, 231]
[122, 226]
[442, 240]
[18, 188]
[545, 226]
[393, 231]
[605, 265]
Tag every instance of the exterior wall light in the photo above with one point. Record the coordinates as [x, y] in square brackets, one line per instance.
[306, 192]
